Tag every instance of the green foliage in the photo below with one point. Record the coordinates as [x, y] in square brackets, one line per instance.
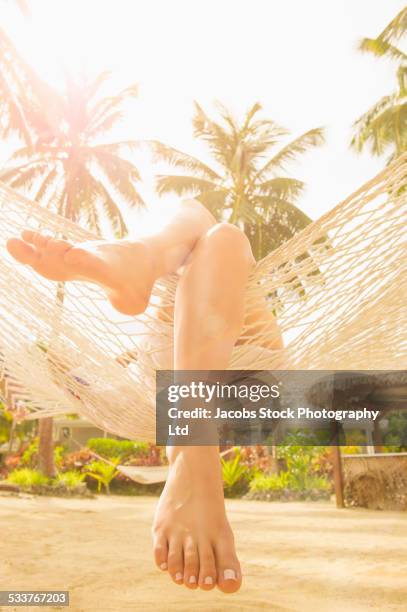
[26, 478]
[30, 455]
[266, 482]
[244, 185]
[103, 473]
[305, 460]
[70, 479]
[396, 433]
[64, 164]
[287, 480]
[235, 475]
[59, 453]
[384, 126]
[109, 447]
[5, 423]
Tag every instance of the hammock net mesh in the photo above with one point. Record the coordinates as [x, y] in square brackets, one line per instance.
[337, 289]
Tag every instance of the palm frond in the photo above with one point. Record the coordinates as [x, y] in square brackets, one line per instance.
[183, 185]
[92, 88]
[122, 175]
[381, 48]
[256, 108]
[215, 201]
[396, 28]
[383, 125]
[290, 152]
[178, 159]
[220, 142]
[46, 184]
[26, 178]
[105, 124]
[284, 211]
[281, 188]
[112, 211]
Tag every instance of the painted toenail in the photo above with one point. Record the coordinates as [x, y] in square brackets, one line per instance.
[229, 574]
[192, 579]
[163, 566]
[178, 576]
[208, 580]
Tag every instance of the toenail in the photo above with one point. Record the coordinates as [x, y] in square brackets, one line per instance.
[192, 579]
[229, 574]
[178, 576]
[163, 566]
[208, 580]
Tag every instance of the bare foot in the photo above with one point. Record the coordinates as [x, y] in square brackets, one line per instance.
[124, 269]
[192, 536]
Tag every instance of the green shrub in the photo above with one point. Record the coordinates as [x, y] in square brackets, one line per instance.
[26, 478]
[59, 452]
[111, 448]
[70, 479]
[29, 456]
[267, 482]
[235, 476]
[287, 481]
[103, 473]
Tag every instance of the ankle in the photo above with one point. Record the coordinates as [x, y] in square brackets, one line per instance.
[200, 455]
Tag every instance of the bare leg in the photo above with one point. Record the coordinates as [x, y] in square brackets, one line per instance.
[126, 269]
[192, 536]
[208, 319]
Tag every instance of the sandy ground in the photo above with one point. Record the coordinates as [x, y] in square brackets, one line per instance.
[303, 556]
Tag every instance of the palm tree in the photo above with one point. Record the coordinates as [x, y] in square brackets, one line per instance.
[19, 85]
[64, 166]
[67, 168]
[244, 186]
[384, 126]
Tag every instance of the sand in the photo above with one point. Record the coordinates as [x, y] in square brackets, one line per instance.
[296, 556]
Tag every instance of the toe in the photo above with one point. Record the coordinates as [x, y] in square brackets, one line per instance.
[35, 238]
[228, 567]
[207, 568]
[191, 565]
[160, 547]
[22, 252]
[176, 561]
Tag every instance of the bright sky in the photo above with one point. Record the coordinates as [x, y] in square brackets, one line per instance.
[297, 58]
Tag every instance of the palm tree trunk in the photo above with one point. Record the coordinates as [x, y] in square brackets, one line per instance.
[46, 461]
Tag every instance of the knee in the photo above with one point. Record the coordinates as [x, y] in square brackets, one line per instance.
[229, 238]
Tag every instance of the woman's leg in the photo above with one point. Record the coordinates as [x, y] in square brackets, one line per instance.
[126, 269]
[209, 314]
[192, 536]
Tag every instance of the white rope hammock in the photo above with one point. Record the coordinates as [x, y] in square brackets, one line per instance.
[338, 290]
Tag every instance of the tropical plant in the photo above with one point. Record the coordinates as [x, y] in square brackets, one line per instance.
[109, 447]
[234, 475]
[244, 185]
[267, 482]
[6, 422]
[29, 457]
[383, 128]
[103, 473]
[287, 480]
[71, 479]
[301, 458]
[68, 169]
[27, 478]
